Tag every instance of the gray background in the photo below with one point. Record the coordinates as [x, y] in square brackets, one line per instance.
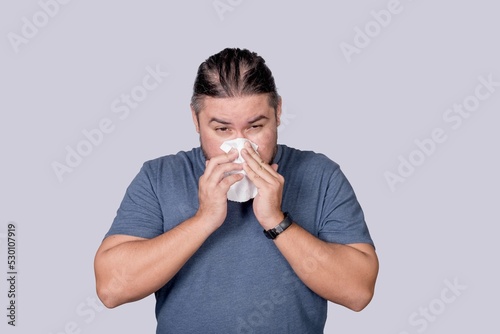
[437, 225]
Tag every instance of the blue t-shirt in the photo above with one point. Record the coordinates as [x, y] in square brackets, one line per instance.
[238, 281]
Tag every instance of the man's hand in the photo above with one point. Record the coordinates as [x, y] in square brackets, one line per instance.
[214, 185]
[343, 274]
[267, 203]
[142, 264]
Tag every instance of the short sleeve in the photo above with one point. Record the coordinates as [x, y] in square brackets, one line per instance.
[342, 219]
[139, 213]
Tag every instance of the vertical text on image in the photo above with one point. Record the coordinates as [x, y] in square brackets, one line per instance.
[12, 275]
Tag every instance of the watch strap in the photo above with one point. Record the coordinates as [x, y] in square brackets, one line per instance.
[280, 228]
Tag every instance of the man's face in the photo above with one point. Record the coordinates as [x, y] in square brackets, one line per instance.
[249, 117]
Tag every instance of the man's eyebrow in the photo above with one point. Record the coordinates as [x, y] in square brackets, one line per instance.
[218, 120]
[250, 121]
[257, 118]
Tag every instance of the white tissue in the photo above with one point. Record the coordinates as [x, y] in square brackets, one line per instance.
[244, 189]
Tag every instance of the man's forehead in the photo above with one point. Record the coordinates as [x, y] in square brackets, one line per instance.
[255, 99]
[236, 109]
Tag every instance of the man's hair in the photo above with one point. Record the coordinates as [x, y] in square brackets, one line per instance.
[233, 73]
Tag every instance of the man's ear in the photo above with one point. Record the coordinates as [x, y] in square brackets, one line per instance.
[196, 121]
[278, 113]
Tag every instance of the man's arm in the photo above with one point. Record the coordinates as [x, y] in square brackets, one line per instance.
[129, 268]
[343, 274]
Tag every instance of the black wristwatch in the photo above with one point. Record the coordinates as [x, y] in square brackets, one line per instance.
[274, 232]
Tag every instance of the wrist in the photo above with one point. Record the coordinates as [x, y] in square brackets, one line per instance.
[272, 221]
[274, 232]
[206, 222]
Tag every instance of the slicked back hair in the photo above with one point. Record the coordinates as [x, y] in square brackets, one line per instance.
[233, 73]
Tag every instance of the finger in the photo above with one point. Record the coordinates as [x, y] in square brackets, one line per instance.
[255, 156]
[226, 157]
[229, 180]
[248, 149]
[221, 159]
[252, 156]
[260, 171]
[222, 171]
[259, 178]
[253, 176]
[259, 166]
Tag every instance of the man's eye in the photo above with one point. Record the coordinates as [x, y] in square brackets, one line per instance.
[221, 129]
[256, 126]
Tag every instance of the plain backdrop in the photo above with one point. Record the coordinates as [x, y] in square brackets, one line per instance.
[366, 82]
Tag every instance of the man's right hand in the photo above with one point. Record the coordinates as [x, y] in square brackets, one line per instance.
[213, 187]
[140, 265]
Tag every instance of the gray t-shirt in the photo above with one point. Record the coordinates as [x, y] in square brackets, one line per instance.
[238, 281]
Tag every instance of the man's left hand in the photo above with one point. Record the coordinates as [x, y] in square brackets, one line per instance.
[267, 203]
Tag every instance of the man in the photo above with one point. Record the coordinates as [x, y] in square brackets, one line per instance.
[205, 257]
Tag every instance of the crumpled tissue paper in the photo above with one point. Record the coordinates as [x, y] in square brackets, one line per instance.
[244, 189]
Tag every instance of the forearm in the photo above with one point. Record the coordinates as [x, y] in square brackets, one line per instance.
[340, 273]
[129, 269]
[134, 269]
